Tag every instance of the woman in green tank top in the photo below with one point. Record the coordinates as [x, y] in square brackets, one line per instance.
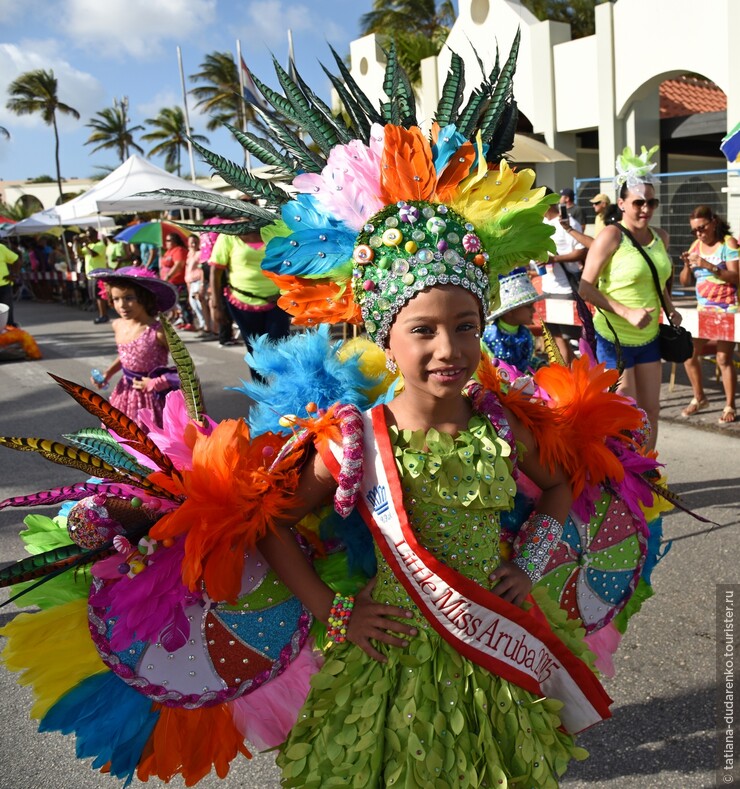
[617, 281]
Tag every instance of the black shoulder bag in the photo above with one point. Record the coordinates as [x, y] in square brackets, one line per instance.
[675, 341]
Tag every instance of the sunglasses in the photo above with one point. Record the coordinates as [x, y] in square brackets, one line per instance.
[652, 204]
[701, 229]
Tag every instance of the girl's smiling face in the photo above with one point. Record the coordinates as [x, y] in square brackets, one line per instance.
[435, 341]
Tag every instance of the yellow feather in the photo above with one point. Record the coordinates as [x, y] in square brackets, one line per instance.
[53, 650]
[551, 349]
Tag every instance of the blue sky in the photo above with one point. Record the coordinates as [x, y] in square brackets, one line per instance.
[105, 49]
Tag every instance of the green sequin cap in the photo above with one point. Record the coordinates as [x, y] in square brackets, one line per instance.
[408, 247]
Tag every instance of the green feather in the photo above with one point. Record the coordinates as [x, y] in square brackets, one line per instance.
[225, 207]
[367, 107]
[401, 106]
[236, 175]
[360, 123]
[309, 117]
[265, 152]
[502, 95]
[468, 120]
[505, 137]
[189, 381]
[232, 228]
[307, 159]
[344, 133]
[452, 93]
[100, 442]
[280, 103]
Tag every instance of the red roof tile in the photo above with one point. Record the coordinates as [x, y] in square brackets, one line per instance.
[688, 96]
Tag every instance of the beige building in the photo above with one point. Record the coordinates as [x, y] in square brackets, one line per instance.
[590, 97]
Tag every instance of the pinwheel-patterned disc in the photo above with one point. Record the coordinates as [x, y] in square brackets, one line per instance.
[228, 651]
[596, 566]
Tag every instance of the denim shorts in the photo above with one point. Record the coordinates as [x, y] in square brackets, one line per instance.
[631, 354]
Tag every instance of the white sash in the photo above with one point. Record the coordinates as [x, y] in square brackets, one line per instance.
[502, 638]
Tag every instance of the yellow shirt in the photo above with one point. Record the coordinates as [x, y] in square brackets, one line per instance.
[247, 283]
[7, 258]
[95, 257]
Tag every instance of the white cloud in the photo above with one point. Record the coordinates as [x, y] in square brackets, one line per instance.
[151, 108]
[269, 21]
[76, 88]
[120, 28]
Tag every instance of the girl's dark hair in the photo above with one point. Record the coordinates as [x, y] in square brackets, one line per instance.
[145, 297]
[705, 212]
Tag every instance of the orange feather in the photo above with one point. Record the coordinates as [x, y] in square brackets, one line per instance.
[407, 166]
[456, 170]
[315, 301]
[191, 743]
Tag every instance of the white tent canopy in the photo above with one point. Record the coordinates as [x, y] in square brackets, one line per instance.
[49, 221]
[116, 192]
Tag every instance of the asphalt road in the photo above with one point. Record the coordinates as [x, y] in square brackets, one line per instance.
[662, 733]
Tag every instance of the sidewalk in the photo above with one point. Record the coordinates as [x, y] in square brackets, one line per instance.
[673, 402]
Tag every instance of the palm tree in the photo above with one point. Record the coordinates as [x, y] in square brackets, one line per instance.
[418, 28]
[111, 131]
[170, 134]
[36, 92]
[221, 98]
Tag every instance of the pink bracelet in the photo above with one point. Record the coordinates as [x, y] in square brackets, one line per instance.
[339, 615]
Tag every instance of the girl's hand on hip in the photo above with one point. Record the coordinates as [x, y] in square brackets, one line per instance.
[510, 583]
[372, 621]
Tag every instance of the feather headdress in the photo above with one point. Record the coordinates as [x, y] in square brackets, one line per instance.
[376, 205]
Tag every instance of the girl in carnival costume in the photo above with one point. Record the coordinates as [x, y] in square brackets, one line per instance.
[339, 584]
[138, 296]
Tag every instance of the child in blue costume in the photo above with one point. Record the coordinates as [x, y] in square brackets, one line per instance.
[506, 335]
[453, 664]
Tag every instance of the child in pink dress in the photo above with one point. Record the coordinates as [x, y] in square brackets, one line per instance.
[138, 296]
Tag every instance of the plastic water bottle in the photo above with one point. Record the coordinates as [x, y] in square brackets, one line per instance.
[99, 378]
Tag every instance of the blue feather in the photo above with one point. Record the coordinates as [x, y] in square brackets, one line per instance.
[448, 142]
[112, 722]
[654, 554]
[300, 369]
[317, 245]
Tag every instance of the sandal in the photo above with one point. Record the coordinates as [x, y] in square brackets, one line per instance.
[728, 415]
[695, 406]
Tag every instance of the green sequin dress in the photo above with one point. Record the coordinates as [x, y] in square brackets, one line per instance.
[429, 717]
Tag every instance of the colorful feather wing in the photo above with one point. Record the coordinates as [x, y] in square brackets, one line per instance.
[407, 169]
[102, 444]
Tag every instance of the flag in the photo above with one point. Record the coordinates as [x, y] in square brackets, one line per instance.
[730, 145]
[291, 57]
[251, 93]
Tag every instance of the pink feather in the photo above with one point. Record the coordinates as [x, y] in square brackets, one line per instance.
[266, 716]
[348, 187]
[604, 643]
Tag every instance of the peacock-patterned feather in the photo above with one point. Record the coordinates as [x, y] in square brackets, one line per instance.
[118, 422]
[44, 564]
[269, 155]
[102, 444]
[501, 95]
[306, 159]
[360, 122]
[676, 500]
[65, 455]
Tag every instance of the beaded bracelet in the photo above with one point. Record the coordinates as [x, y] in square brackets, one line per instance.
[535, 544]
[339, 614]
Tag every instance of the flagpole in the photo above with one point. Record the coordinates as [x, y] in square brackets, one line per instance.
[245, 124]
[186, 115]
